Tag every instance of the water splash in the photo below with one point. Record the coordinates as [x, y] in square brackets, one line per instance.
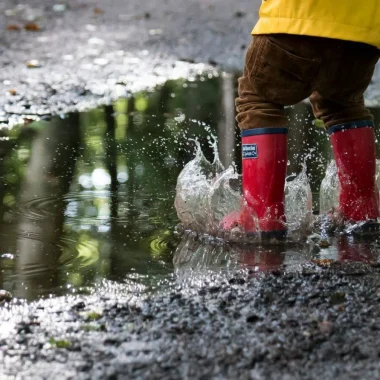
[224, 197]
[378, 174]
[206, 193]
[330, 189]
[193, 185]
[298, 202]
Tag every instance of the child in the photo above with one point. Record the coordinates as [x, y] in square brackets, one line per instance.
[327, 51]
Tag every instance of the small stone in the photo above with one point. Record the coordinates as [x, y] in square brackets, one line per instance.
[253, 318]
[101, 61]
[239, 14]
[59, 8]
[93, 316]
[78, 306]
[5, 296]
[155, 32]
[326, 327]
[33, 64]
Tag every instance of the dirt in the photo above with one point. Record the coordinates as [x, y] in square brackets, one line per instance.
[315, 322]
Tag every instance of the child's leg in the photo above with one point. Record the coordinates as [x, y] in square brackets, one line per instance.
[278, 71]
[339, 103]
[255, 112]
[335, 112]
[273, 77]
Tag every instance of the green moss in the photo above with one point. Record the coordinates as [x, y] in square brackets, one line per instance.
[93, 316]
[92, 327]
[60, 343]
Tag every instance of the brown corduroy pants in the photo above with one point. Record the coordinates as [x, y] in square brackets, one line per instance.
[284, 69]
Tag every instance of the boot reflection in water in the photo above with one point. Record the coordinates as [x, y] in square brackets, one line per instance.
[194, 256]
[286, 63]
[350, 251]
[261, 260]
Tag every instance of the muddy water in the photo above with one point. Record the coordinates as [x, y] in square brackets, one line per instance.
[88, 197]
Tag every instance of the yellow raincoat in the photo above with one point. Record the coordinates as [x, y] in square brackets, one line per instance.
[352, 20]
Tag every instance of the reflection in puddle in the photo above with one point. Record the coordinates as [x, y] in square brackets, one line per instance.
[196, 258]
[88, 197]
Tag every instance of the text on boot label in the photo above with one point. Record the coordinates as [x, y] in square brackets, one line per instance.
[249, 151]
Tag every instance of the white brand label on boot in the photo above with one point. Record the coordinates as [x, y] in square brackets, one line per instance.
[250, 151]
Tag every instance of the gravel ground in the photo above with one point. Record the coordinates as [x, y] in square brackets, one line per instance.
[311, 323]
[94, 51]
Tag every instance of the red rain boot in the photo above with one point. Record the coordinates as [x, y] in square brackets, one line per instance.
[264, 170]
[354, 150]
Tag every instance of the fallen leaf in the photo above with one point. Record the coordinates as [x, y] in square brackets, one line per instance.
[324, 244]
[98, 11]
[27, 121]
[32, 27]
[337, 298]
[13, 27]
[322, 262]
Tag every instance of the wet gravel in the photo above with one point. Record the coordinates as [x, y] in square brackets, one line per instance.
[316, 322]
[95, 51]
[88, 52]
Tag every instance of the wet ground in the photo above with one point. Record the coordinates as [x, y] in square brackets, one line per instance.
[102, 284]
[64, 56]
[87, 215]
[86, 53]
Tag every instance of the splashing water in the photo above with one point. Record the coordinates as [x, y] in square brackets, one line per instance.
[298, 202]
[206, 193]
[193, 186]
[378, 174]
[330, 189]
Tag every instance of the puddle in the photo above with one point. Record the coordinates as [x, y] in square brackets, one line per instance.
[89, 196]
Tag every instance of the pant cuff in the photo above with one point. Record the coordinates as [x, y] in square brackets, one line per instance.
[264, 131]
[350, 125]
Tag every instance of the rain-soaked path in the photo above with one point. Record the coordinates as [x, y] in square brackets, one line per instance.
[81, 53]
[87, 213]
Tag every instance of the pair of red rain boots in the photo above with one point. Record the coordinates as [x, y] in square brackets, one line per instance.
[264, 171]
